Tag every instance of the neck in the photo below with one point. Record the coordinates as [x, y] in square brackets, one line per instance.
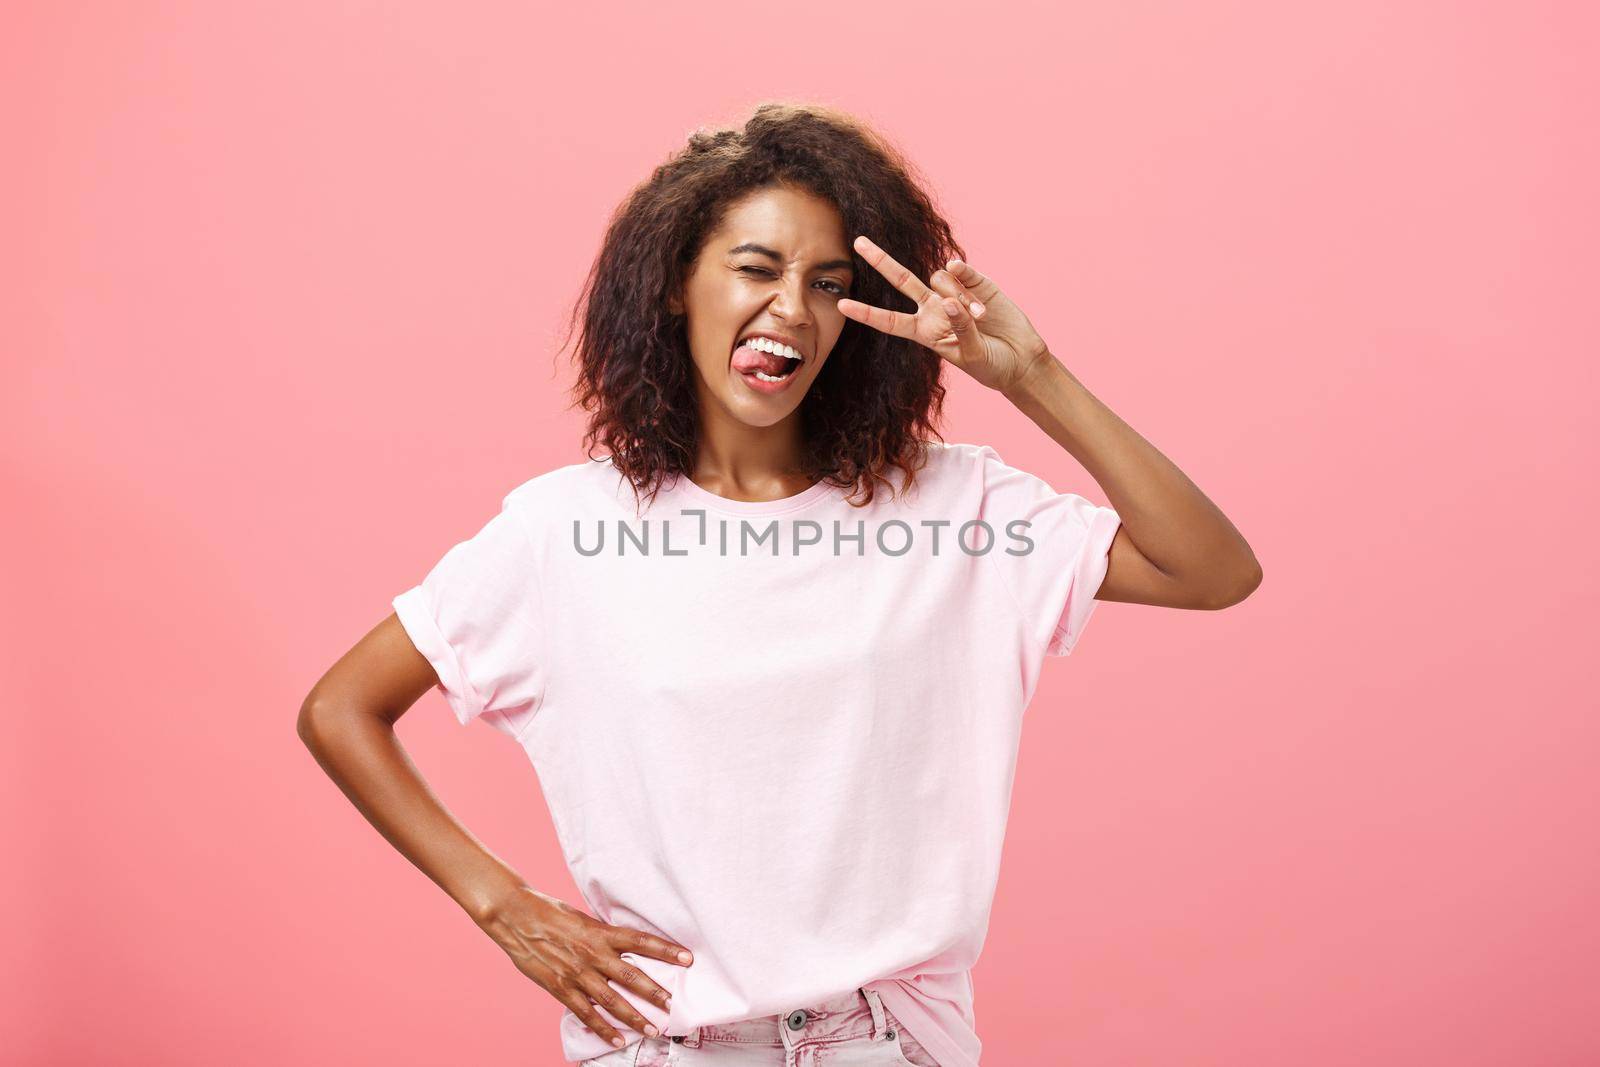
[744, 462]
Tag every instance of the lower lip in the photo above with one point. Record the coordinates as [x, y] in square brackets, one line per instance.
[768, 388]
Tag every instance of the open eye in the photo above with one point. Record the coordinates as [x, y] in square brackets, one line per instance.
[833, 287]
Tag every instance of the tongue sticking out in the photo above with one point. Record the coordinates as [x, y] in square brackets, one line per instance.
[748, 360]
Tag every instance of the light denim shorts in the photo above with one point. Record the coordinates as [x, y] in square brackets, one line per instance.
[853, 1030]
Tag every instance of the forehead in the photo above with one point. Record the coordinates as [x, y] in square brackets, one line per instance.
[790, 221]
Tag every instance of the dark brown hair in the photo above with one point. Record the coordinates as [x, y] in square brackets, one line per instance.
[876, 398]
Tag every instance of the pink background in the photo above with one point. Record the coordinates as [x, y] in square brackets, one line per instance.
[282, 287]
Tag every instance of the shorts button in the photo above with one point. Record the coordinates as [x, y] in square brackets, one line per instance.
[797, 1019]
[678, 1039]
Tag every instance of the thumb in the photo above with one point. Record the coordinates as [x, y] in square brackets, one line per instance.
[968, 340]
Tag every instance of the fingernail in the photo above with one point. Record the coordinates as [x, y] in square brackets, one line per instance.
[617, 1041]
[952, 307]
[652, 1031]
[684, 957]
[977, 308]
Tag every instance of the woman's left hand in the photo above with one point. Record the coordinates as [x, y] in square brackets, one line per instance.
[964, 318]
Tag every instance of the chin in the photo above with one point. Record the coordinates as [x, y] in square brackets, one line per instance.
[760, 416]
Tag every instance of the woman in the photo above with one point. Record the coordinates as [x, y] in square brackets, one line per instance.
[779, 774]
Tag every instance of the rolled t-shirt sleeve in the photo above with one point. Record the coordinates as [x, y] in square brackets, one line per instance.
[477, 617]
[1052, 550]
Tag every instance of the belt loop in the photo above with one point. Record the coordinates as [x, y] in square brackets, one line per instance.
[693, 1039]
[876, 1005]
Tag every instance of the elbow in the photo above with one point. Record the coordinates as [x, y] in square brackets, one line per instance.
[327, 723]
[1238, 588]
[317, 722]
[306, 724]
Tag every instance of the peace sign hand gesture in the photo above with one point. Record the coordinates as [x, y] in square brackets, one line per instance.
[964, 319]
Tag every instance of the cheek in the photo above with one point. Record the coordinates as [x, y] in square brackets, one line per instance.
[724, 310]
[713, 315]
[833, 326]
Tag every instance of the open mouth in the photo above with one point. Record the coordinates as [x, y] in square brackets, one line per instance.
[766, 360]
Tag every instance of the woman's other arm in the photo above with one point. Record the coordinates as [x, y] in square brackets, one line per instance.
[347, 721]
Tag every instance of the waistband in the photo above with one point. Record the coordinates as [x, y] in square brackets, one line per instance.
[858, 1013]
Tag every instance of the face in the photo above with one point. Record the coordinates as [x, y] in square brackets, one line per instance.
[778, 265]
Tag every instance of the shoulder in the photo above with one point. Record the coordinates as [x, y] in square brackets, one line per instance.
[974, 470]
[949, 477]
[566, 492]
[956, 461]
[961, 454]
[984, 462]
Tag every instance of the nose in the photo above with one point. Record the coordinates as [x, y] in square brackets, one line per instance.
[790, 304]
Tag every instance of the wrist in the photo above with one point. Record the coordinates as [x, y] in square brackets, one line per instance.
[1034, 377]
[486, 897]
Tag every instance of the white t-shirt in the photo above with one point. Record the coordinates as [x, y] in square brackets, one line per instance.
[780, 733]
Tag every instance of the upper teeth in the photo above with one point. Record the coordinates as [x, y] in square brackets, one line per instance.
[766, 344]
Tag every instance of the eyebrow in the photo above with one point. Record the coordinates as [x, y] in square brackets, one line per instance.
[763, 250]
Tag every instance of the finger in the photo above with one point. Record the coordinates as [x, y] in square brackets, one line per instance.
[605, 994]
[947, 285]
[898, 276]
[635, 979]
[981, 287]
[580, 1006]
[625, 939]
[968, 342]
[896, 322]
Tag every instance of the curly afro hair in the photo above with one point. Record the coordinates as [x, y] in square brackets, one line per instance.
[877, 399]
